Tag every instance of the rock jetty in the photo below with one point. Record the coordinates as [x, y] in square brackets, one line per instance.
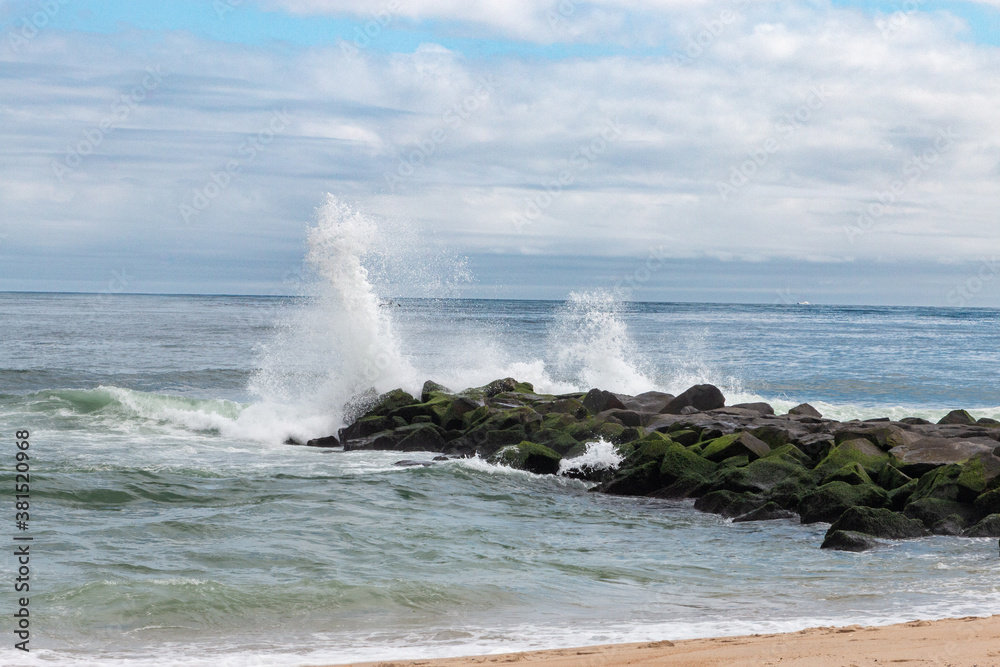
[871, 480]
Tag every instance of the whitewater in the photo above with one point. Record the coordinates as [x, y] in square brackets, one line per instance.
[174, 524]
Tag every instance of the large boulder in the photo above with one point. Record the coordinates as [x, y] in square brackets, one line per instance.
[988, 527]
[759, 408]
[650, 401]
[805, 410]
[878, 522]
[430, 388]
[599, 400]
[957, 417]
[390, 402]
[528, 456]
[736, 444]
[858, 450]
[831, 500]
[928, 453]
[701, 397]
[847, 540]
[942, 516]
[882, 435]
[729, 503]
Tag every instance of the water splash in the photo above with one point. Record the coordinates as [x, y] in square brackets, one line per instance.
[591, 346]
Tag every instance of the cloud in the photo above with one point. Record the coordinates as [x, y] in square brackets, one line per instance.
[799, 132]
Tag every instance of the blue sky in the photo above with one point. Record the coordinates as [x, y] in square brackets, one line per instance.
[844, 152]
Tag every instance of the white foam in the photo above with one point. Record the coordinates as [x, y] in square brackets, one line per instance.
[600, 455]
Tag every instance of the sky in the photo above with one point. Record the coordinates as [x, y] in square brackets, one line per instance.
[684, 150]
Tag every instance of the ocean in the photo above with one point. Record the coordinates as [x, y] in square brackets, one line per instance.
[171, 524]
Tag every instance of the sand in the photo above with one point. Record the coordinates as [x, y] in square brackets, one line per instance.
[960, 641]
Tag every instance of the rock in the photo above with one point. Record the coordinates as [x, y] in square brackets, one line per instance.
[951, 525]
[423, 438]
[956, 482]
[625, 417]
[988, 527]
[846, 540]
[409, 463]
[763, 475]
[860, 451]
[430, 388]
[986, 421]
[498, 387]
[689, 410]
[678, 463]
[390, 402]
[737, 444]
[878, 522]
[650, 401]
[701, 397]
[759, 408]
[528, 456]
[598, 400]
[914, 421]
[326, 441]
[831, 500]
[957, 417]
[569, 406]
[805, 410]
[890, 478]
[932, 511]
[454, 414]
[883, 436]
[898, 497]
[988, 502]
[852, 474]
[771, 511]
[928, 453]
[637, 481]
[729, 503]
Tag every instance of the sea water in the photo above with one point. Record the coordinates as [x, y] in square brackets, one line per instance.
[172, 525]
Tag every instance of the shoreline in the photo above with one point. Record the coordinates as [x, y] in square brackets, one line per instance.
[970, 640]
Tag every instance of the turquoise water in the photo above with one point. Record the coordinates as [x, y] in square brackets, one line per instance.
[169, 519]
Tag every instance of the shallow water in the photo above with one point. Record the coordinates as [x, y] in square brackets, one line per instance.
[168, 516]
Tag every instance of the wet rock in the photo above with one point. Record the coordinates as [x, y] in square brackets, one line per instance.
[771, 511]
[957, 417]
[988, 527]
[932, 511]
[831, 500]
[650, 401]
[846, 540]
[759, 408]
[860, 451]
[410, 463]
[598, 400]
[914, 421]
[326, 441]
[878, 522]
[624, 417]
[529, 456]
[430, 388]
[701, 397]
[805, 410]
[729, 503]
[737, 444]
[883, 436]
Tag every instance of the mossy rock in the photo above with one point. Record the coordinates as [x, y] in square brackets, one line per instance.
[858, 450]
[848, 540]
[898, 497]
[454, 415]
[957, 417]
[685, 437]
[949, 482]
[988, 527]
[878, 522]
[852, 473]
[365, 427]
[472, 419]
[761, 476]
[389, 402]
[557, 440]
[729, 503]
[735, 461]
[890, 478]
[679, 463]
[774, 436]
[610, 431]
[585, 429]
[434, 408]
[831, 500]
[430, 388]
[884, 436]
[568, 407]
[973, 477]
[646, 450]
[735, 444]
[770, 511]
[524, 388]
[790, 454]
[637, 481]
[420, 438]
[529, 456]
[989, 502]
[932, 511]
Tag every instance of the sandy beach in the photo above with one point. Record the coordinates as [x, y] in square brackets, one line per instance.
[969, 641]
